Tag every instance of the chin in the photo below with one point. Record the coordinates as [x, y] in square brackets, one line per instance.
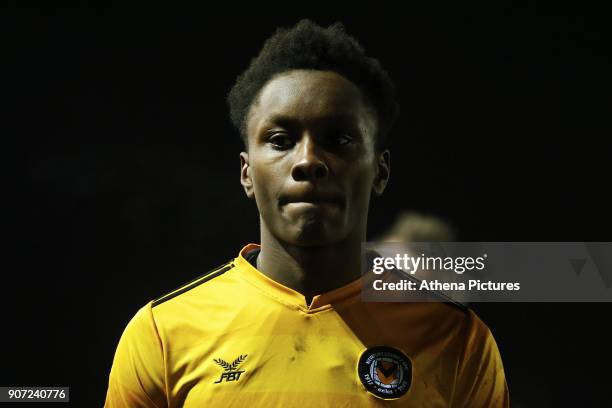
[311, 235]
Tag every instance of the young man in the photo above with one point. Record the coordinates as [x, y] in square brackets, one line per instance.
[283, 323]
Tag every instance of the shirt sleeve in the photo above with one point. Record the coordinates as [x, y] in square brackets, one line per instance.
[137, 374]
[481, 381]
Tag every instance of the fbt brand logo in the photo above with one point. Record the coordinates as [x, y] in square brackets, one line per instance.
[231, 372]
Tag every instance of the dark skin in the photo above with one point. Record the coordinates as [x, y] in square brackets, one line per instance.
[312, 166]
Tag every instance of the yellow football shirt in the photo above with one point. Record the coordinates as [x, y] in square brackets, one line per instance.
[234, 337]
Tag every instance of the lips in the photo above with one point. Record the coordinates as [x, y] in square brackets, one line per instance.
[313, 197]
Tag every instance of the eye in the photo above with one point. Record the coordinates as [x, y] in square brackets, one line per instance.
[281, 141]
[342, 139]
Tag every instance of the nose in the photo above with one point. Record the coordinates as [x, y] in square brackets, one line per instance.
[309, 164]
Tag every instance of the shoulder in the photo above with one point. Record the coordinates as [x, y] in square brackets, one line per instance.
[137, 372]
[481, 378]
[216, 280]
[187, 288]
[479, 338]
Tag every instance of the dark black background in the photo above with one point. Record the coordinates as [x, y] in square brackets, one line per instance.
[122, 169]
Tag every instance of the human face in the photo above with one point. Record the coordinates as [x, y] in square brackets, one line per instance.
[311, 164]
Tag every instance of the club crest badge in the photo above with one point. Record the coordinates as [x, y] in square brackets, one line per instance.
[385, 372]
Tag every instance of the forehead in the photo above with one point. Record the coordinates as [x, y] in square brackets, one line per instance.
[309, 95]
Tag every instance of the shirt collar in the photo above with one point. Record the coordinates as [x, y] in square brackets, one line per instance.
[289, 296]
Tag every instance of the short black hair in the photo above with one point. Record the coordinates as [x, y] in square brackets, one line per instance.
[309, 46]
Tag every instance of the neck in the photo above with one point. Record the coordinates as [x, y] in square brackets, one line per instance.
[310, 270]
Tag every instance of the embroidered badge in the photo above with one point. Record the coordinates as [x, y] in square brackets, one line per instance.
[385, 372]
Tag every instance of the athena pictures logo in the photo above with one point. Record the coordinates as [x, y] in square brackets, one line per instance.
[231, 372]
[385, 372]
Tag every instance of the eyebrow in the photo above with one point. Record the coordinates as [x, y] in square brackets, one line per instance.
[293, 122]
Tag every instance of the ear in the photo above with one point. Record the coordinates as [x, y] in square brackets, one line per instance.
[383, 171]
[245, 175]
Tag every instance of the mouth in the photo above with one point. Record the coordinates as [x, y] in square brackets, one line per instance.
[313, 199]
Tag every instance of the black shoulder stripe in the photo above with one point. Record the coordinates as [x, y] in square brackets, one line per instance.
[443, 298]
[195, 282]
[452, 302]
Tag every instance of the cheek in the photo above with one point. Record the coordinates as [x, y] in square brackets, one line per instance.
[265, 183]
[363, 178]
